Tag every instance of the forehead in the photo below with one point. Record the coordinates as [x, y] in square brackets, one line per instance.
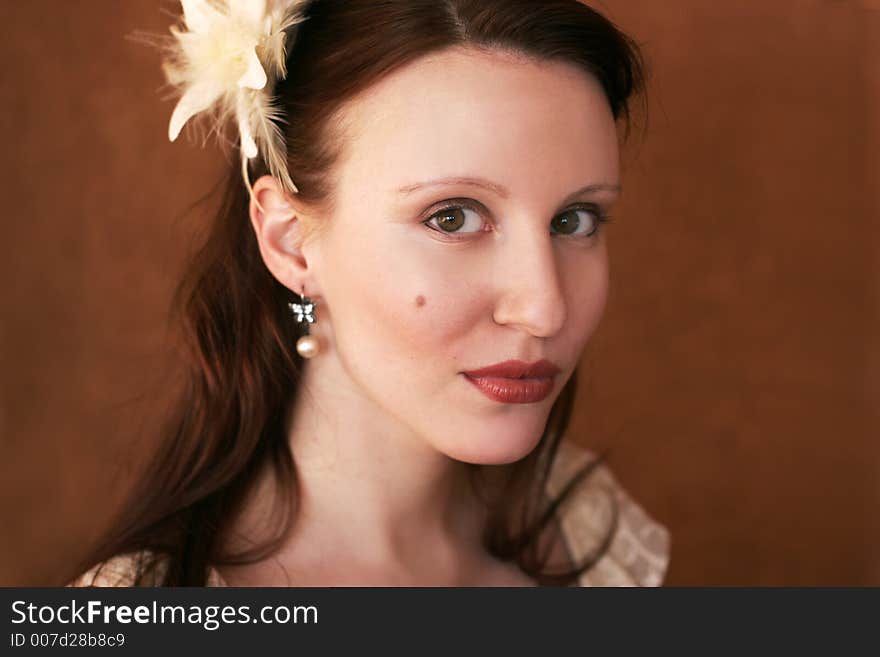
[462, 112]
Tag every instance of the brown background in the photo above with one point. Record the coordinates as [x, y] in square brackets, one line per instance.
[736, 373]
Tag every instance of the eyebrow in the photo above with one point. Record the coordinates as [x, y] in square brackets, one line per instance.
[500, 190]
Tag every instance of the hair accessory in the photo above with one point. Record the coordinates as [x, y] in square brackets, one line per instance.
[307, 346]
[226, 59]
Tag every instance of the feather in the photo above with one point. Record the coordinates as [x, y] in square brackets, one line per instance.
[223, 60]
[283, 20]
[199, 14]
[254, 77]
[197, 98]
[252, 11]
[243, 114]
[266, 119]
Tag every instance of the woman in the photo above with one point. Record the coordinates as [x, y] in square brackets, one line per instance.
[443, 254]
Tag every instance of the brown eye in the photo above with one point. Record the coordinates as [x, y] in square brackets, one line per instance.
[566, 223]
[570, 222]
[451, 219]
[455, 220]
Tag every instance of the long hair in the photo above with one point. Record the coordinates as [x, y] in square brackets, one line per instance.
[239, 372]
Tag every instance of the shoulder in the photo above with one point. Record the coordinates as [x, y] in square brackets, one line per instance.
[122, 570]
[638, 554]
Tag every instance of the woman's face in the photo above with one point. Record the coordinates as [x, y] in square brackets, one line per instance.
[421, 280]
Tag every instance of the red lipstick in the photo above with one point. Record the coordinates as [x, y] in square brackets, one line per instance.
[514, 381]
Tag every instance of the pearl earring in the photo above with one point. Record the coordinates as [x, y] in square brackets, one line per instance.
[307, 346]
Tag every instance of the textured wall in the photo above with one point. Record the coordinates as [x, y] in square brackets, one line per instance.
[736, 373]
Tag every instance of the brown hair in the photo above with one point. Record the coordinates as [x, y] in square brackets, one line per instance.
[240, 373]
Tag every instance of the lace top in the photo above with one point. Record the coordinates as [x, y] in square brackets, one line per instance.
[638, 554]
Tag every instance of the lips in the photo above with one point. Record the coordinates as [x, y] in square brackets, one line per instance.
[517, 369]
[514, 381]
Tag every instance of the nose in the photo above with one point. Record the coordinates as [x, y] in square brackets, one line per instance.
[531, 297]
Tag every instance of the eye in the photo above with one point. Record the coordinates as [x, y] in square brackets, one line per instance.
[584, 221]
[455, 219]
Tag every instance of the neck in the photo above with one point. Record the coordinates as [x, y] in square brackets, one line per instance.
[369, 488]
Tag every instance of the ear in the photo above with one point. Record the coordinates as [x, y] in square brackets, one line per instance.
[278, 226]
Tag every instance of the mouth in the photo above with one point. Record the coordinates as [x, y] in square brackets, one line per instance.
[512, 391]
[515, 381]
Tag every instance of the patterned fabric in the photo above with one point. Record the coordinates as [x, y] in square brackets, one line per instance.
[637, 556]
[639, 550]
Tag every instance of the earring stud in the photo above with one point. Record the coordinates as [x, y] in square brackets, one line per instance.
[307, 346]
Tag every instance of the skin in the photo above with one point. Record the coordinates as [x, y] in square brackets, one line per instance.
[384, 418]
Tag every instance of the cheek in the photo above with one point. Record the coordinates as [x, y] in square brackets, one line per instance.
[393, 313]
[586, 294]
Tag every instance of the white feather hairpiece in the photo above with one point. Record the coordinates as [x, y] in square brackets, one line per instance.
[225, 63]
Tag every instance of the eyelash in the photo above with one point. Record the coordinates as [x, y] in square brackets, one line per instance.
[601, 217]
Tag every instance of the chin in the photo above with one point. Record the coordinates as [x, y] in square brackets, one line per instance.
[495, 449]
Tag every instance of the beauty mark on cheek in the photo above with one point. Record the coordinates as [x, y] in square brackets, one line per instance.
[420, 301]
